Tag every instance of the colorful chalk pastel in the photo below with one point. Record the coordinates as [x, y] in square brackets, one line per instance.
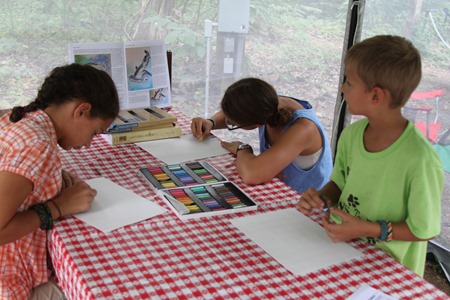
[196, 189]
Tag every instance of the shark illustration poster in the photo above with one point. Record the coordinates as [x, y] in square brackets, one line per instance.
[139, 68]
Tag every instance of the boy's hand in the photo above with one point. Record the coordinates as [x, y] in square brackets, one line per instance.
[349, 228]
[310, 199]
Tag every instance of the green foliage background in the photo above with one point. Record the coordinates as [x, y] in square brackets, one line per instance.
[294, 43]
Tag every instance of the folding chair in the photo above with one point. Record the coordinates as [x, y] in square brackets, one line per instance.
[430, 128]
[443, 138]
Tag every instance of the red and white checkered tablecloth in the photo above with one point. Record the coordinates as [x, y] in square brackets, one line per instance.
[207, 258]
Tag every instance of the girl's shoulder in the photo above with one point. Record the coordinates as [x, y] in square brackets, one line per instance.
[298, 103]
[34, 127]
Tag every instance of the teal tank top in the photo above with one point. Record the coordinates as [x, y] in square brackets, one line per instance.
[316, 176]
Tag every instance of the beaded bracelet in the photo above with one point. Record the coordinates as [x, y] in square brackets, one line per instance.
[214, 123]
[386, 231]
[45, 215]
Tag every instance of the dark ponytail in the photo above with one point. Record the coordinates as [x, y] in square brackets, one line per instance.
[281, 117]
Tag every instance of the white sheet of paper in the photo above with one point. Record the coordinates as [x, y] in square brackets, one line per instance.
[185, 148]
[366, 292]
[295, 241]
[115, 206]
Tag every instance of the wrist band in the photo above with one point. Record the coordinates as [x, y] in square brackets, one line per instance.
[386, 231]
[45, 216]
[57, 207]
[212, 121]
[243, 146]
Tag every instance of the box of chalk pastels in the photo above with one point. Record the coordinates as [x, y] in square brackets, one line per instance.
[196, 189]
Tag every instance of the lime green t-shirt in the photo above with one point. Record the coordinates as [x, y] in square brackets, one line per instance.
[401, 183]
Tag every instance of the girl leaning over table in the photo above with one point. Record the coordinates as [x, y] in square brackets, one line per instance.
[74, 104]
[293, 144]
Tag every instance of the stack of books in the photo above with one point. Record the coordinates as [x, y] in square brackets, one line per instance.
[140, 125]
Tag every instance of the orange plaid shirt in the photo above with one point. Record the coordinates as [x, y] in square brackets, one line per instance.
[28, 148]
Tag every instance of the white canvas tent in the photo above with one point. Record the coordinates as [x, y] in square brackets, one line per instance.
[296, 45]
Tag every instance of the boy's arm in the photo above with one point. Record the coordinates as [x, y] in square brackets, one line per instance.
[401, 232]
[352, 227]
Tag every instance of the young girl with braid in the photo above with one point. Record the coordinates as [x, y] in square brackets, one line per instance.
[74, 104]
[293, 143]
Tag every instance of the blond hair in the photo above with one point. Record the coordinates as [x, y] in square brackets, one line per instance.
[389, 62]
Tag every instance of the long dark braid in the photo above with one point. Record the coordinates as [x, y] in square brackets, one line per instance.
[18, 112]
[75, 82]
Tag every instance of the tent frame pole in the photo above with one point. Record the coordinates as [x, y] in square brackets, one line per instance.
[353, 30]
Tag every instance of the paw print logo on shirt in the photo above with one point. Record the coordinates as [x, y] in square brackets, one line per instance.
[351, 204]
[372, 240]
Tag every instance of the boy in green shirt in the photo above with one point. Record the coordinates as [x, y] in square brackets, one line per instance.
[387, 180]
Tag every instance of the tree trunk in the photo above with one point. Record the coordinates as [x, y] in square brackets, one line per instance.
[415, 9]
[136, 29]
